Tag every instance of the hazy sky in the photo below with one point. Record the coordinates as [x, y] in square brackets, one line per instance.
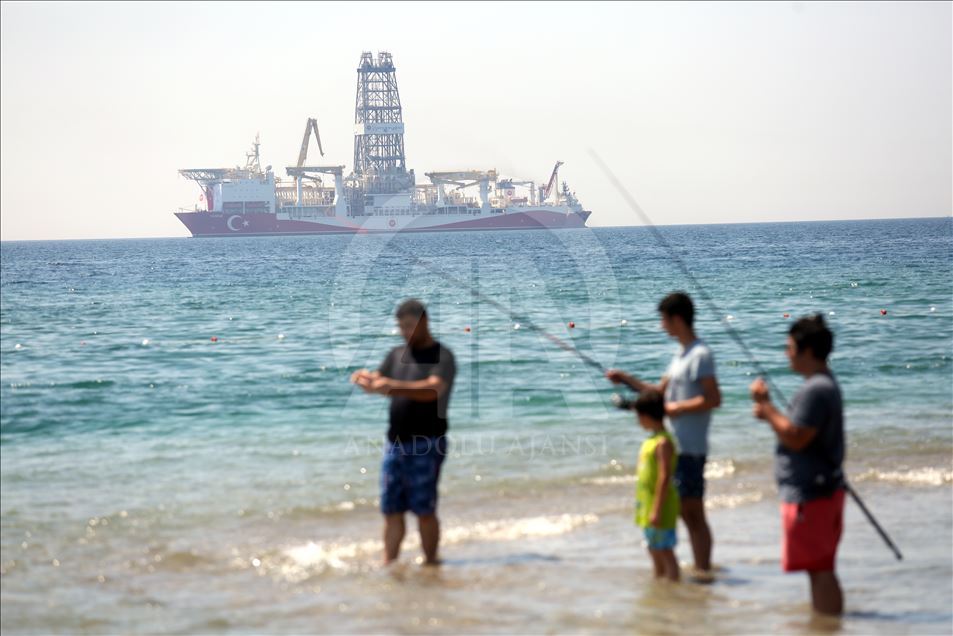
[708, 112]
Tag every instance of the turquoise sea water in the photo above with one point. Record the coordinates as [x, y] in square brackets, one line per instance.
[155, 479]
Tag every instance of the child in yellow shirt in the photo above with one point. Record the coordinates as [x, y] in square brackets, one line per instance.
[656, 500]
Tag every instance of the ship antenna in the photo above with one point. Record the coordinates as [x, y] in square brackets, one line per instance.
[252, 160]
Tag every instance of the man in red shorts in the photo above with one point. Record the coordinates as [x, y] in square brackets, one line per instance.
[808, 462]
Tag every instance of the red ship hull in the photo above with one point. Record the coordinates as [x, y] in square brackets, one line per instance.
[255, 224]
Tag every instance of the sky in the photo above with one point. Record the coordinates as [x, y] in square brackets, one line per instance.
[708, 113]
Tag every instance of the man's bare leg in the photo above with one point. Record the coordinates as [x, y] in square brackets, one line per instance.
[693, 514]
[393, 535]
[826, 595]
[429, 527]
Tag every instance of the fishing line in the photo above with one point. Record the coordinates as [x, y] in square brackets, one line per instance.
[713, 307]
[701, 292]
[518, 318]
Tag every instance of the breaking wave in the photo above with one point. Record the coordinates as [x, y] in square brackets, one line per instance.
[928, 476]
[301, 562]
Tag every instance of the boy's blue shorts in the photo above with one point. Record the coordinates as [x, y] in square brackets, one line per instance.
[659, 539]
[409, 475]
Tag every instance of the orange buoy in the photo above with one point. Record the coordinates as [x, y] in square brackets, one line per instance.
[214, 338]
[572, 325]
[787, 315]
[883, 312]
[466, 329]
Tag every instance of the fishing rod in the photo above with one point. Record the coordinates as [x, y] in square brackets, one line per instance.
[713, 307]
[517, 318]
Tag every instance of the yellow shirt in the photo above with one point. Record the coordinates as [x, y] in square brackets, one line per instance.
[648, 475]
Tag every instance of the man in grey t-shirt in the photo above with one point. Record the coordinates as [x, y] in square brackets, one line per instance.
[686, 373]
[691, 393]
[809, 462]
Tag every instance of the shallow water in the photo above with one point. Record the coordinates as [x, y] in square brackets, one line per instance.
[156, 481]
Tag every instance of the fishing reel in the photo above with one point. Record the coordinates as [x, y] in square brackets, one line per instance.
[622, 402]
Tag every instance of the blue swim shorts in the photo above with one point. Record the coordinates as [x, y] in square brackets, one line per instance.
[690, 476]
[409, 475]
[659, 539]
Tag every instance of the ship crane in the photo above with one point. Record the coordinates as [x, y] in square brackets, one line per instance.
[301, 173]
[311, 172]
[311, 125]
[463, 179]
[548, 188]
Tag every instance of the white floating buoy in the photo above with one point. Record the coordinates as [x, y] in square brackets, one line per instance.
[831, 313]
[281, 336]
[516, 326]
[393, 332]
[145, 341]
[729, 317]
[18, 346]
[932, 308]
[623, 322]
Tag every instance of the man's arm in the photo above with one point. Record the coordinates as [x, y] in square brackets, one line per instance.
[617, 376]
[363, 378]
[789, 434]
[426, 390]
[710, 399]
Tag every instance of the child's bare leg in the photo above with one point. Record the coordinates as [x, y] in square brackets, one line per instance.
[657, 563]
[670, 564]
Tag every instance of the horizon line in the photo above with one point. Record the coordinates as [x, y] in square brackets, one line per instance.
[948, 215]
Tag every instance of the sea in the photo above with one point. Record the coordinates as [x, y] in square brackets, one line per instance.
[182, 451]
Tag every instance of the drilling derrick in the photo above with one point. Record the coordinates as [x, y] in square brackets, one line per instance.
[379, 163]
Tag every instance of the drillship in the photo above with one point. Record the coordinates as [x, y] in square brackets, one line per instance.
[380, 194]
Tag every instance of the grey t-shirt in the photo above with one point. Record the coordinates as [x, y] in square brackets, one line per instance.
[685, 373]
[409, 418]
[816, 470]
